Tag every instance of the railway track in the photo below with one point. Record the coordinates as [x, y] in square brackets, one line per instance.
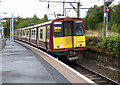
[94, 76]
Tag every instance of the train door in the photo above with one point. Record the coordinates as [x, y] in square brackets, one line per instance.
[68, 32]
[47, 36]
[37, 38]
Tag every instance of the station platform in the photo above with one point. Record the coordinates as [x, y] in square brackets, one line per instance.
[23, 65]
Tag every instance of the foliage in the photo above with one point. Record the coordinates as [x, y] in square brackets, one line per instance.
[112, 43]
[113, 27]
[93, 40]
[21, 23]
[100, 25]
[94, 18]
[31, 21]
[114, 21]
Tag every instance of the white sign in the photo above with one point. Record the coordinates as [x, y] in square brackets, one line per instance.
[57, 22]
[104, 14]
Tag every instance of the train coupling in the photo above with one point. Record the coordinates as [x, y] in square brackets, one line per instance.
[73, 59]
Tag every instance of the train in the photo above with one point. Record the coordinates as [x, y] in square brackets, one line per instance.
[62, 37]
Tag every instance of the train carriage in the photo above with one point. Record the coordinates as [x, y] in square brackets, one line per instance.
[64, 36]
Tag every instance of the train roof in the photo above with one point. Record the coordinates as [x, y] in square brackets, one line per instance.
[46, 23]
[35, 25]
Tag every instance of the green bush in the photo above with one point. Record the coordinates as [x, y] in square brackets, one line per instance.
[113, 27]
[112, 43]
[100, 25]
[118, 29]
[92, 40]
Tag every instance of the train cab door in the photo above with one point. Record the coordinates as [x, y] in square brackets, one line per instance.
[68, 27]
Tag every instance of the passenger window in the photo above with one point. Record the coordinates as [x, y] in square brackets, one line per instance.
[23, 33]
[34, 33]
[27, 33]
[41, 32]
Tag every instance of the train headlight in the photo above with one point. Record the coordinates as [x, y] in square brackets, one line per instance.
[77, 45]
[83, 44]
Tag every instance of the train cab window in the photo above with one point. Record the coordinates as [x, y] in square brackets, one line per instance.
[41, 33]
[58, 29]
[79, 28]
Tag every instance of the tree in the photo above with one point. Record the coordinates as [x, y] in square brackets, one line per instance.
[45, 19]
[94, 17]
[22, 23]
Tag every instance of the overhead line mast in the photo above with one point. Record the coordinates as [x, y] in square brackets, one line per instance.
[57, 1]
[78, 6]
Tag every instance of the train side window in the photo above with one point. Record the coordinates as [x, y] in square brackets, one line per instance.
[23, 33]
[27, 33]
[34, 33]
[18, 33]
[41, 33]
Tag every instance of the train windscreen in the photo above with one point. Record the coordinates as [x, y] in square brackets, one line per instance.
[58, 29]
[68, 28]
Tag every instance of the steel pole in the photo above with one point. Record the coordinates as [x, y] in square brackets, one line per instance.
[0, 26]
[107, 23]
[104, 26]
[63, 8]
[2, 31]
[78, 9]
[12, 31]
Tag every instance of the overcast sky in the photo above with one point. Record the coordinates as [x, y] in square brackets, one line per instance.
[27, 8]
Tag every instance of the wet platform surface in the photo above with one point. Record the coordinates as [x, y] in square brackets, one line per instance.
[22, 65]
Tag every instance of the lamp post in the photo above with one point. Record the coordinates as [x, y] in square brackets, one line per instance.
[12, 30]
[2, 28]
